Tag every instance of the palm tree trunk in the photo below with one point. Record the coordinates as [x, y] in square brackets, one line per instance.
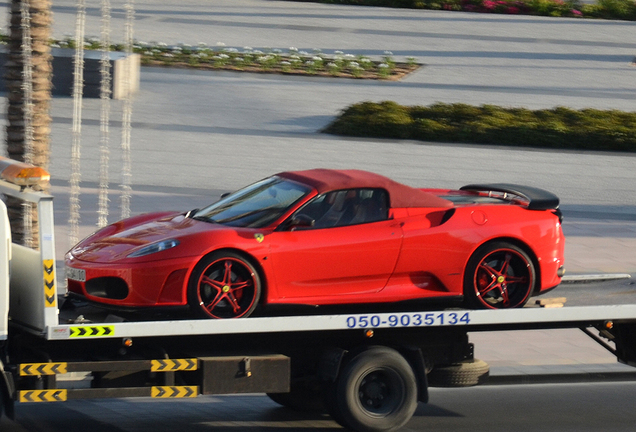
[40, 29]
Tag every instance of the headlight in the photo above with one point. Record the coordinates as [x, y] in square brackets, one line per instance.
[154, 248]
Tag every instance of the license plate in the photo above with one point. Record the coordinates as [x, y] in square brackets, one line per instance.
[76, 274]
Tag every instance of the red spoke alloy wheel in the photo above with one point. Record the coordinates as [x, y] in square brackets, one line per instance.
[499, 275]
[224, 285]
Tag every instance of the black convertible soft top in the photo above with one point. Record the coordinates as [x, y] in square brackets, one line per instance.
[538, 199]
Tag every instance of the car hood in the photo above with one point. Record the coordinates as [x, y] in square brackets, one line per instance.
[116, 242]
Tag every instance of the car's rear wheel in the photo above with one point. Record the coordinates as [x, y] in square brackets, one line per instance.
[224, 285]
[499, 275]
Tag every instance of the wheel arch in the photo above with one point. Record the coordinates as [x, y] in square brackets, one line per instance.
[516, 242]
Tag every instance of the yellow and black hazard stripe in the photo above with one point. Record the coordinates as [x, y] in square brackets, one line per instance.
[50, 292]
[34, 369]
[174, 391]
[170, 365]
[43, 395]
[92, 331]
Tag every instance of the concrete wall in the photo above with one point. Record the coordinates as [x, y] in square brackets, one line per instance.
[63, 72]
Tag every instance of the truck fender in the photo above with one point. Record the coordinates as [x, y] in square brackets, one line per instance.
[330, 363]
[7, 390]
[417, 361]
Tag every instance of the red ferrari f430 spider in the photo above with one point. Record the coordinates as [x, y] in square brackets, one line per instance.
[327, 237]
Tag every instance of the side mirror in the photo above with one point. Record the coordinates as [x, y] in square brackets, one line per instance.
[301, 221]
[191, 212]
[223, 195]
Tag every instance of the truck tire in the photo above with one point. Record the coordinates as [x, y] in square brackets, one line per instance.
[375, 392]
[465, 374]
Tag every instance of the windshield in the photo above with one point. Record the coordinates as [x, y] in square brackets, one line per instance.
[255, 206]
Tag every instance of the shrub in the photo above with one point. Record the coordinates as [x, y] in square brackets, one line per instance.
[560, 127]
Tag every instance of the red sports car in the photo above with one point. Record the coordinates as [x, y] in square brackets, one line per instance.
[322, 237]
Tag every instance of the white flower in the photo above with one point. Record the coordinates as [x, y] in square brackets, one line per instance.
[293, 49]
[332, 65]
[365, 60]
[354, 65]
[383, 65]
[277, 51]
[239, 59]
[247, 48]
[389, 53]
[202, 45]
[349, 56]
[316, 58]
[303, 53]
[338, 52]
[148, 53]
[162, 44]
[257, 52]
[220, 44]
[294, 57]
[224, 56]
[309, 63]
[317, 50]
[168, 55]
[54, 45]
[264, 58]
[285, 63]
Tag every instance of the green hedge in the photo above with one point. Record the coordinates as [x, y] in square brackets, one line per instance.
[564, 128]
[607, 9]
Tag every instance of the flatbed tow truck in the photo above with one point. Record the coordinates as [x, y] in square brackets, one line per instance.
[368, 370]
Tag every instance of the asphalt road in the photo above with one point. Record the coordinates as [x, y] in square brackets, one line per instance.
[591, 407]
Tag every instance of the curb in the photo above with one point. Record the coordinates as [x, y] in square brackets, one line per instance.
[565, 378]
[587, 278]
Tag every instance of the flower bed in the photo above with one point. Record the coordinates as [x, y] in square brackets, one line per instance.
[607, 9]
[264, 60]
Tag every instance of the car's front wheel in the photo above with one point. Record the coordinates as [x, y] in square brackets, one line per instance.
[499, 275]
[224, 285]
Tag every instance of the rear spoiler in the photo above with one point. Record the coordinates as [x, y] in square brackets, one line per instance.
[538, 199]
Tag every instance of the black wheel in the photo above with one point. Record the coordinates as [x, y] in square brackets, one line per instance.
[499, 275]
[376, 391]
[465, 374]
[224, 285]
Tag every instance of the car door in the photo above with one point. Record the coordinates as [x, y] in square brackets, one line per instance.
[340, 261]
